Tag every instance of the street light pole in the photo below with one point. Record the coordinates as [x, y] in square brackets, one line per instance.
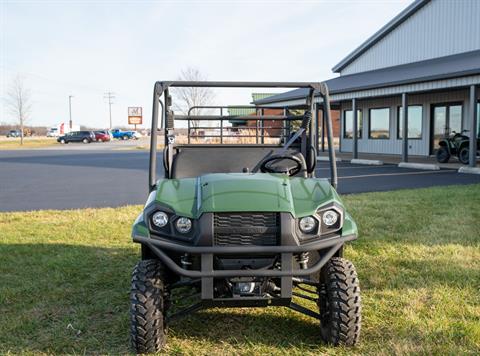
[70, 109]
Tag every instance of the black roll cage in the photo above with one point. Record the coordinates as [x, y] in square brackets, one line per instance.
[161, 88]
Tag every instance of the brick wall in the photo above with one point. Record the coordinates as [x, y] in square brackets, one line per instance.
[272, 124]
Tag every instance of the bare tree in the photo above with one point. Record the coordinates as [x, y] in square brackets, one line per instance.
[19, 102]
[189, 97]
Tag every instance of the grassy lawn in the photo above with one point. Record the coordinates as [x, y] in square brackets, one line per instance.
[64, 283]
[28, 142]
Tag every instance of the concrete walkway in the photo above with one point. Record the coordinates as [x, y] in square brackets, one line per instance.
[396, 159]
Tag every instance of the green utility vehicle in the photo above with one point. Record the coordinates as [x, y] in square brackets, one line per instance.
[240, 220]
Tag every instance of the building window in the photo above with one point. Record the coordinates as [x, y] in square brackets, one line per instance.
[415, 113]
[379, 123]
[348, 124]
[478, 119]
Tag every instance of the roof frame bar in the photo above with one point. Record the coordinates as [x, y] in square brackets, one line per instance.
[161, 88]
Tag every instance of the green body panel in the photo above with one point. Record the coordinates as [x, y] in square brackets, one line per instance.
[235, 192]
[140, 227]
[349, 226]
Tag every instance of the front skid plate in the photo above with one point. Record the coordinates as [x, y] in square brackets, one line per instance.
[243, 302]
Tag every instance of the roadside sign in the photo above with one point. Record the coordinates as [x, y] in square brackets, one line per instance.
[135, 115]
[134, 120]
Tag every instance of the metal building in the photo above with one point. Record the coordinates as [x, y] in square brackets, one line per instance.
[426, 58]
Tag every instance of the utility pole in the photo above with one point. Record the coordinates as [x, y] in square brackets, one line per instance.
[110, 96]
[70, 110]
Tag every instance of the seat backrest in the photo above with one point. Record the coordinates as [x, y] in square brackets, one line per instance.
[193, 161]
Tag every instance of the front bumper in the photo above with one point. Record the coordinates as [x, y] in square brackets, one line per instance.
[168, 250]
[331, 244]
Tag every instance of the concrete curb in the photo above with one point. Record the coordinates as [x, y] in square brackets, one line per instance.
[425, 166]
[368, 162]
[469, 170]
[326, 158]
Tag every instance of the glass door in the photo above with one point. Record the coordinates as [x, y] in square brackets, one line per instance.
[446, 119]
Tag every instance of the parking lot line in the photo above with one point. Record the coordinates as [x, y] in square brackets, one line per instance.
[399, 174]
[358, 167]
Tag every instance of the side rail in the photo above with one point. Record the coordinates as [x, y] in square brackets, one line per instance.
[256, 126]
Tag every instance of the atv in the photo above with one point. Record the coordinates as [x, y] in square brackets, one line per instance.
[456, 144]
[240, 220]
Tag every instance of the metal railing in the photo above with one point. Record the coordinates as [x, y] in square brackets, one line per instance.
[228, 128]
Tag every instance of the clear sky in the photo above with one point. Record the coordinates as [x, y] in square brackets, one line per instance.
[85, 48]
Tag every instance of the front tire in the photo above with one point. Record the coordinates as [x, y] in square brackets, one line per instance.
[340, 303]
[147, 307]
[464, 155]
[85, 140]
[442, 155]
[62, 141]
[125, 138]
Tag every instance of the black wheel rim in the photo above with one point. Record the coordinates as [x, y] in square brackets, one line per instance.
[464, 156]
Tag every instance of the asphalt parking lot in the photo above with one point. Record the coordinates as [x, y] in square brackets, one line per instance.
[69, 178]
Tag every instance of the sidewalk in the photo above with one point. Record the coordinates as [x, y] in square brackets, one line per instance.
[396, 159]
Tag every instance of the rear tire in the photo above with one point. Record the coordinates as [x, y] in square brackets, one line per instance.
[442, 155]
[147, 307]
[62, 141]
[340, 303]
[464, 155]
[125, 138]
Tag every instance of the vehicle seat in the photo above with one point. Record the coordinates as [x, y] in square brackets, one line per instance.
[194, 161]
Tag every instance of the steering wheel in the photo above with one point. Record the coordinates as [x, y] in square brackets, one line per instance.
[267, 165]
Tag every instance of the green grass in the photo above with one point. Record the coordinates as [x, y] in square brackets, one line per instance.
[28, 142]
[64, 284]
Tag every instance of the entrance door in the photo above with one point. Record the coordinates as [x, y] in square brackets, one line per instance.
[446, 119]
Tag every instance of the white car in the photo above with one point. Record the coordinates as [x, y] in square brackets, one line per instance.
[53, 133]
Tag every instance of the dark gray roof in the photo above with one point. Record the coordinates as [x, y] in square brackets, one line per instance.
[377, 36]
[457, 65]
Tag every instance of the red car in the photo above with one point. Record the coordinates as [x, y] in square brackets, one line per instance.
[101, 136]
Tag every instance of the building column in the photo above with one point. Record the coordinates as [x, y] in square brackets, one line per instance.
[473, 127]
[405, 128]
[355, 128]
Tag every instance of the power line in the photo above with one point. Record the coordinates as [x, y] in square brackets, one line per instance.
[110, 96]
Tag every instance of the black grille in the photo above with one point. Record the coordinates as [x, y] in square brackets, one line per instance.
[259, 229]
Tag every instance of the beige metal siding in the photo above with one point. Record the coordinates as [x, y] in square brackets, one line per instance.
[394, 145]
[410, 88]
[440, 28]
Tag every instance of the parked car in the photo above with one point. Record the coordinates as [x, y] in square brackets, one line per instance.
[102, 136]
[77, 136]
[137, 135]
[123, 135]
[13, 133]
[107, 132]
[53, 132]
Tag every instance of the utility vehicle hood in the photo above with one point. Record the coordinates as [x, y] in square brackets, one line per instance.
[230, 192]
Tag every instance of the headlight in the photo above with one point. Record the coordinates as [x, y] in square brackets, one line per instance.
[183, 225]
[330, 217]
[307, 224]
[160, 219]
